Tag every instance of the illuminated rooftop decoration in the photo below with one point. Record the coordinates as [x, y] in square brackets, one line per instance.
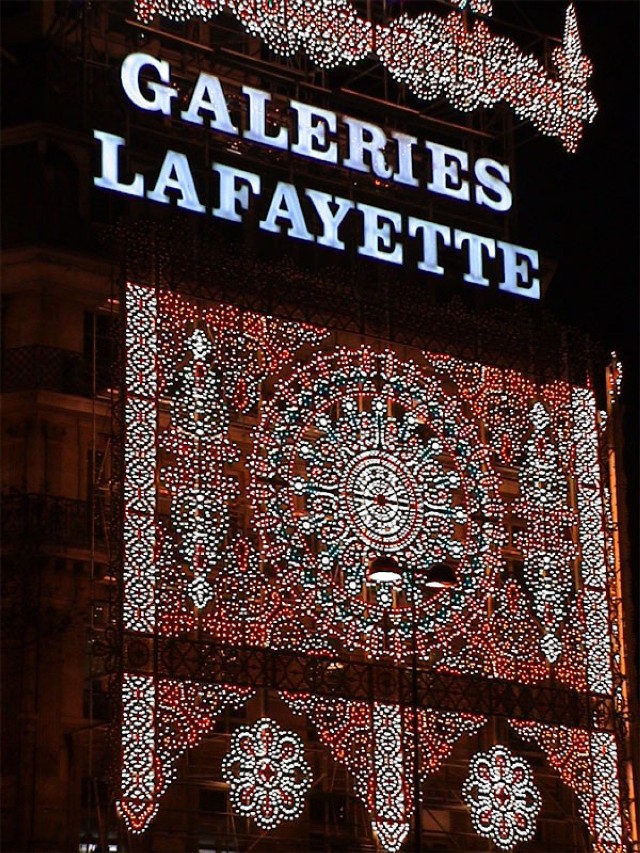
[337, 451]
[480, 7]
[267, 773]
[472, 68]
[435, 56]
[502, 797]
[330, 31]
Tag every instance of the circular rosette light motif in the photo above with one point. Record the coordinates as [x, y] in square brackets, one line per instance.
[359, 455]
[502, 797]
[267, 773]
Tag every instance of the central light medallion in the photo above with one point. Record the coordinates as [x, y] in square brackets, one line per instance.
[360, 456]
[370, 478]
[382, 499]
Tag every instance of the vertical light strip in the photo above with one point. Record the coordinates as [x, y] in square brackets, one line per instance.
[614, 380]
[138, 803]
[606, 791]
[140, 459]
[390, 807]
[606, 783]
[592, 543]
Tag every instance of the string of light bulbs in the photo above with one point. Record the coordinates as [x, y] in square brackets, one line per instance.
[450, 56]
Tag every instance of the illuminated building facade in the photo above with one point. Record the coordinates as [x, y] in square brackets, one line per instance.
[311, 510]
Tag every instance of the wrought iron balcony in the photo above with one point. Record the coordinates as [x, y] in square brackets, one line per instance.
[35, 520]
[46, 368]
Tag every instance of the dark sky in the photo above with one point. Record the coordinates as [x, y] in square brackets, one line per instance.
[582, 209]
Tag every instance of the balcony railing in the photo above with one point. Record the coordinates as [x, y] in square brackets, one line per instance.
[46, 368]
[51, 369]
[34, 520]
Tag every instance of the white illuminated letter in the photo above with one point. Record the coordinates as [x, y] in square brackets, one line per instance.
[405, 175]
[207, 95]
[257, 130]
[109, 179]
[519, 264]
[379, 239]
[331, 210]
[476, 262]
[313, 124]
[494, 177]
[285, 204]
[130, 78]
[175, 174]
[374, 143]
[430, 233]
[448, 164]
[234, 191]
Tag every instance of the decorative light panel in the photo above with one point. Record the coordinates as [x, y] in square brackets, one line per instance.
[140, 459]
[502, 797]
[453, 57]
[588, 763]
[162, 718]
[593, 597]
[547, 543]
[377, 743]
[267, 463]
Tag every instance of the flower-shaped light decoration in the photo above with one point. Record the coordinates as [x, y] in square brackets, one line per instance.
[503, 799]
[267, 773]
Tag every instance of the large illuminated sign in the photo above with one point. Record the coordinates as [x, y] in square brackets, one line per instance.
[266, 462]
[310, 214]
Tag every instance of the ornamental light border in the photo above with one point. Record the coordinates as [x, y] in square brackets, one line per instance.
[456, 56]
[164, 716]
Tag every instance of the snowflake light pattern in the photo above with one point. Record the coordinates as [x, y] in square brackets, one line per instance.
[433, 56]
[502, 797]
[267, 773]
